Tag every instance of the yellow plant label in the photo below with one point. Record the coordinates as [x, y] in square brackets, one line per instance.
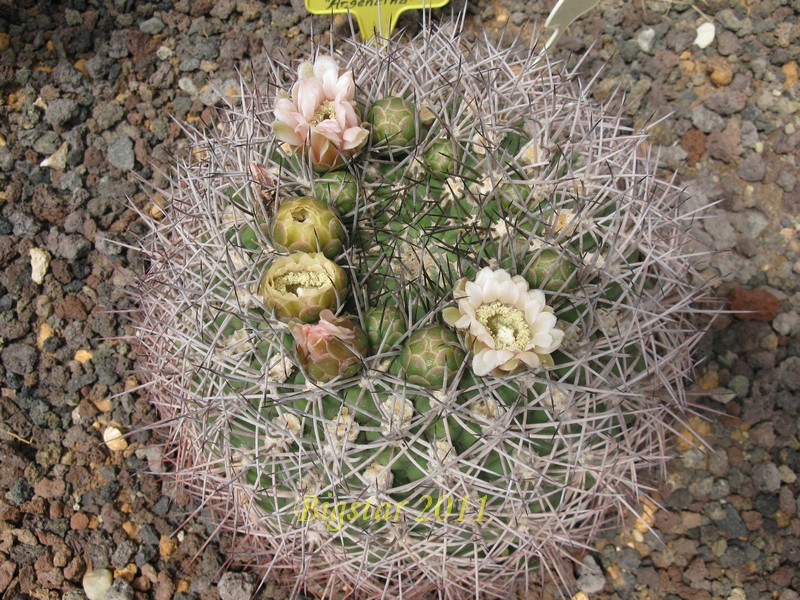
[373, 16]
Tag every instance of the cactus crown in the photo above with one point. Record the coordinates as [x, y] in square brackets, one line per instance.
[513, 330]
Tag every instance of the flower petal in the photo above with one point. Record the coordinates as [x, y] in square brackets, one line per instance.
[486, 361]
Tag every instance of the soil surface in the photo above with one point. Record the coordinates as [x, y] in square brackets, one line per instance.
[92, 95]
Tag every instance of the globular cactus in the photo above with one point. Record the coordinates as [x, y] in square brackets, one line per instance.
[514, 303]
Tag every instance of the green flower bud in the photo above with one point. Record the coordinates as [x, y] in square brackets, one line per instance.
[338, 188]
[385, 326]
[333, 347]
[307, 225]
[441, 158]
[300, 286]
[394, 121]
[431, 357]
[551, 271]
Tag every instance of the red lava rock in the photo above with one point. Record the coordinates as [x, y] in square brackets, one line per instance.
[75, 569]
[754, 305]
[56, 510]
[7, 570]
[78, 521]
[696, 571]
[694, 142]
[49, 488]
[9, 513]
[783, 575]
[752, 519]
[667, 521]
[48, 206]
[71, 309]
[36, 506]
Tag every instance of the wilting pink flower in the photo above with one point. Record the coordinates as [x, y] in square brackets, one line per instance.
[320, 114]
[332, 347]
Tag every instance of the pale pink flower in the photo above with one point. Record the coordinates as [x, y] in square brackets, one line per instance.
[320, 114]
[332, 347]
[312, 338]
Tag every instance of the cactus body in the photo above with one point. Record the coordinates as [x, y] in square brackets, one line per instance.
[477, 436]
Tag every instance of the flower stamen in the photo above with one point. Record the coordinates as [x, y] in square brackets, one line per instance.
[301, 282]
[506, 324]
[326, 110]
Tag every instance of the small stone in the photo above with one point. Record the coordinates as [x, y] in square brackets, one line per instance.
[590, 576]
[787, 475]
[19, 358]
[737, 594]
[706, 120]
[750, 223]
[164, 53]
[114, 440]
[767, 478]
[61, 111]
[727, 101]
[739, 385]
[754, 305]
[722, 75]
[694, 142]
[152, 26]
[40, 260]
[120, 153]
[188, 86]
[167, 546]
[789, 373]
[96, 583]
[752, 168]
[645, 39]
[787, 323]
[120, 590]
[236, 586]
[58, 159]
[78, 521]
[705, 35]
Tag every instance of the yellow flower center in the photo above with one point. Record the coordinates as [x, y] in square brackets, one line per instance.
[301, 283]
[506, 324]
[326, 110]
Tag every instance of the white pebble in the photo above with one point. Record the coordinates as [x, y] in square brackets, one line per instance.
[645, 39]
[40, 260]
[188, 86]
[164, 53]
[705, 35]
[96, 583]
[114, 440]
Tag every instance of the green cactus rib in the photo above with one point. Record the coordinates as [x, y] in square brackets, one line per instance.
[387, 465]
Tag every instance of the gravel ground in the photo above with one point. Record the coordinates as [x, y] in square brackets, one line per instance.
[88, 92]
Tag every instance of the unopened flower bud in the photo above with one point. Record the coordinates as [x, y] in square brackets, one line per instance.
[307, 225]
[441, 158]
[394, 122]
[551, 271]
[337, 188]
[431, 357]
[385, 326]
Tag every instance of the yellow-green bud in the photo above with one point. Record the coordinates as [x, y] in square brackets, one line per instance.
[307, 225]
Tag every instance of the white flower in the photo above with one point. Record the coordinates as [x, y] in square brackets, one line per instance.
[507, 325]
